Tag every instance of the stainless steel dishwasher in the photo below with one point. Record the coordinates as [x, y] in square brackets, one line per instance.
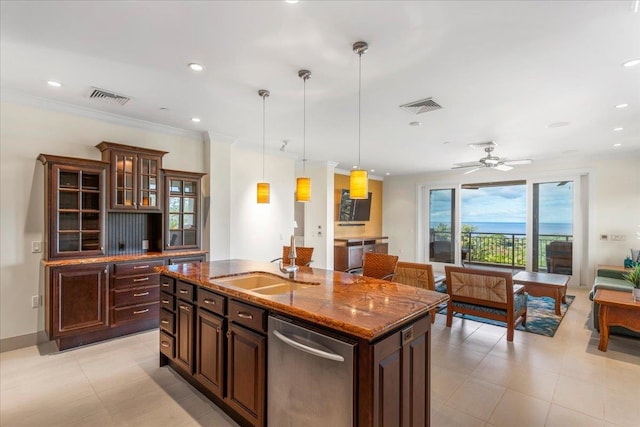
[310, 377]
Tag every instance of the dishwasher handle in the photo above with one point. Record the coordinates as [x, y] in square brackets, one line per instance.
[307, 349]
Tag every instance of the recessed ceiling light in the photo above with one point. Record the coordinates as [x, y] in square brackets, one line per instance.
[617, 144]
[388, 173]
[196, 67]
[622, 105]
[617, 129]
[557, 125]
[631, 63]
[291, 1]
[373, 170]
[195, 119]
[355, 167]
[447, 142]
[54, 83]
[415, 124]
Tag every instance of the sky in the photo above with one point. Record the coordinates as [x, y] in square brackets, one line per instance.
[506, 204]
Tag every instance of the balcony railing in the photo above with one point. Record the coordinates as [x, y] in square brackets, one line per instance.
[500, 249]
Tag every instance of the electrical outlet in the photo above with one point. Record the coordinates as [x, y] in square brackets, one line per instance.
[36, 247]
[618, 237]
[35, 301]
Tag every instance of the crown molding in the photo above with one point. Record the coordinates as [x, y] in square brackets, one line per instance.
[63, 107]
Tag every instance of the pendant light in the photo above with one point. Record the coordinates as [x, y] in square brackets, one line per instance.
[359, 181]
[303, 183]
[263, 187]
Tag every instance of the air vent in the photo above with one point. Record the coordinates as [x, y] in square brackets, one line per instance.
[107, 96]
[422, 106]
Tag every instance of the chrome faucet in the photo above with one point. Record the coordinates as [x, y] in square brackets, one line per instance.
[292, 267]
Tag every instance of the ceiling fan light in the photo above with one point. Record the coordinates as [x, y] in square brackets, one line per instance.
[303, 189]
[491, 161]
[358, 184]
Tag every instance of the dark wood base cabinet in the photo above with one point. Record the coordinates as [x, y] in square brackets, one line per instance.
[224, 355]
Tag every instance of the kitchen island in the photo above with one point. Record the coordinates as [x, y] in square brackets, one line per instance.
[214, 332]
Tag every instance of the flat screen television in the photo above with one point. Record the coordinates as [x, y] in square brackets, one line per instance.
[354, 210]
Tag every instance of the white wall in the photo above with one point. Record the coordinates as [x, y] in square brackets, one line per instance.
[614, 204]
[25, 132]
[237, 226]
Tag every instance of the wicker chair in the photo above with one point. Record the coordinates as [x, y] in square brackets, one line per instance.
[418, 275]
[486, 293]
[379, 266]
[302, 260]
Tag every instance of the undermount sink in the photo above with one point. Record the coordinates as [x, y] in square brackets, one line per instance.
[263, 283]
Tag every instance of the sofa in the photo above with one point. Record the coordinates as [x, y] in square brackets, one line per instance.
[614, 280]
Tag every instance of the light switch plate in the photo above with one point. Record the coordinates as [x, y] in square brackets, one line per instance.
[36, 247]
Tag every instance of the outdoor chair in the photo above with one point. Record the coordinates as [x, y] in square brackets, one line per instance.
[560, 257]
[303, 258]
[486, 293]
[418, 275]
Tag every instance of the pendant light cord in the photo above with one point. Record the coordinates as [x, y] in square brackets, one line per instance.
[304, 127]
[359, 101]
[263, 133]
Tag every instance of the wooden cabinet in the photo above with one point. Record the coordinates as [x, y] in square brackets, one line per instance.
[185, 318]
[349, 253]
[78, 297]
[74, 207]
[246, 373]
[210, 351]
[135, 291]
[401, 377]
[134, 177]
[182, 217]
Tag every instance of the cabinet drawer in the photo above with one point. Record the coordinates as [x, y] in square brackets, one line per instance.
[248, 315]
[211, 301]
[135, 312]
[167, 344]
[168, 284]
[167, 301]
[136, 281]
[138, 267]
[167, 321]
[136, 296]
[184, 291]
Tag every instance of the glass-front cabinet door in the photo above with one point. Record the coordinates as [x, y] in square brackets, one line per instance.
[135, 177]
[182, 210]
[75, 207]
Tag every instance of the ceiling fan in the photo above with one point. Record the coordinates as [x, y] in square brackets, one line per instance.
[490, 160]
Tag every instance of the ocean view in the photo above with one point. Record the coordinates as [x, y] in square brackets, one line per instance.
[517, 227]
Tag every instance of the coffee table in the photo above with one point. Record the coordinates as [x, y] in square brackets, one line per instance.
[616, 309]
[544, 285]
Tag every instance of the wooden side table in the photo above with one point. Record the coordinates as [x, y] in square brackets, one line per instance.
[544, 285]
[616, 309]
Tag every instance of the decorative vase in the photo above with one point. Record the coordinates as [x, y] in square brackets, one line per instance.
[636, 294]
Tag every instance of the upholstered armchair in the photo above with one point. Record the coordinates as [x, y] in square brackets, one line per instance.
[418, 275]
[486, 293]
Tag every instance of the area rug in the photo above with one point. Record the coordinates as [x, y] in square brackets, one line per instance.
[541, 316]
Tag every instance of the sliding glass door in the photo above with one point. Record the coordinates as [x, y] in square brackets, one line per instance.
[442, 228]
[552, 227]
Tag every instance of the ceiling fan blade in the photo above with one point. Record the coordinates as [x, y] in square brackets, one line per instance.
[472, 170]
[467, 165]
[518, 162]
[503, 167]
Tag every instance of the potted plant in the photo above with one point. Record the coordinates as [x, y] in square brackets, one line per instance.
[634, 277]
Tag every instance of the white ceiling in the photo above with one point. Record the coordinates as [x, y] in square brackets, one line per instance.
[502, 70]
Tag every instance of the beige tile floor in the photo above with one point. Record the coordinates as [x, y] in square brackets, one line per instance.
[478, 379]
